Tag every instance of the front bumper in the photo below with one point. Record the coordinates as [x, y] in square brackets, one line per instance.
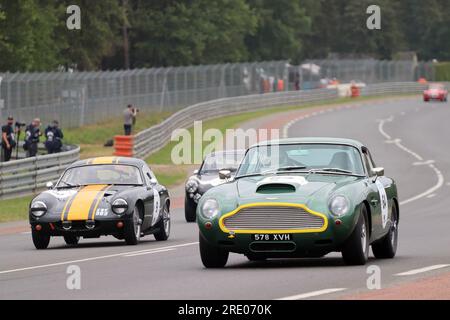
[307, 244]
[83, 228]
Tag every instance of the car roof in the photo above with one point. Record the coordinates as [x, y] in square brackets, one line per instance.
[109, 160]
[306, 140]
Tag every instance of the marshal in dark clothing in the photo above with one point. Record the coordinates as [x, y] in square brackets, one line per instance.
[8, 140]
[54, 136]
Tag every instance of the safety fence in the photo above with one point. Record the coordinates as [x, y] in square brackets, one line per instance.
[27, 176]
[81, 98]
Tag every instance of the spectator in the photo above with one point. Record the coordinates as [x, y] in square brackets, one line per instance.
[129, 119]
[32, 134]
[54, 136]
[8, 139]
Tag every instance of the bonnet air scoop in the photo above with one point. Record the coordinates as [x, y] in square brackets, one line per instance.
[280, 184]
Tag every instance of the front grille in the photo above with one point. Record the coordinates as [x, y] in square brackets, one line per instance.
[273, 218]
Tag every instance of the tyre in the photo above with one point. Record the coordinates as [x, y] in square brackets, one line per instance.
[190, 208]
[252, 257]
[386, 248]
[163, 225]
[212, 256]
[356, 248]
[132, 232]
[71, 240]
[40, 239]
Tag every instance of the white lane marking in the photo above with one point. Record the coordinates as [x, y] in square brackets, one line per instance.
[381, 129]
[312, 294]
[148, 252]
[430, 163]
[439, 184]
[423, 163]
[422, 270]
[431, 195]
[93, 258]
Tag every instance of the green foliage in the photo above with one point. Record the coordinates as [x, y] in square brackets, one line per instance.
[28, 27]
[442, 71]
[171, 33]
[281, 26]
[34, 37]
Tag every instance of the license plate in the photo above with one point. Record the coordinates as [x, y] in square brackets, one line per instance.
[272, 237]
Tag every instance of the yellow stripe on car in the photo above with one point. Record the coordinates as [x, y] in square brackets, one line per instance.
[82, 203]
[105, 160]
[97, 201]
[273, 204]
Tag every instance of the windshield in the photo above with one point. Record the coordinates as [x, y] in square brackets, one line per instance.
[101, 174]
[436, 86]
[224, 160]
[302, 157]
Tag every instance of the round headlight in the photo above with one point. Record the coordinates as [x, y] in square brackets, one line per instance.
[119, 206]
[339, 206]
[38, 209]
[210, 208]
[191, 186]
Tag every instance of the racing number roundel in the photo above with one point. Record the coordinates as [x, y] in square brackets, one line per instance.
[383, 202]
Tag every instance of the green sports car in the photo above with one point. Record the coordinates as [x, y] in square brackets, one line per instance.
[303, 197]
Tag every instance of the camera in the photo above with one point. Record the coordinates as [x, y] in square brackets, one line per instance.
[20, 124]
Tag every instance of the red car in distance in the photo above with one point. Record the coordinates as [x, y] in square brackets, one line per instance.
[435, 91]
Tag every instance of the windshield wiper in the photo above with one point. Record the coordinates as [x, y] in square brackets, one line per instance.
[68, 185]
[281, 169]
[335, 170]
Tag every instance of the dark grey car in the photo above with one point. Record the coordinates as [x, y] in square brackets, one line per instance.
[214, 170]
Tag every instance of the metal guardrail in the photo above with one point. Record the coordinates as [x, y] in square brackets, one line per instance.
[153, 139]
[381, 89]
[26, 176]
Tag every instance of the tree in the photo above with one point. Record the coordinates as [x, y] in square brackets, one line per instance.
[27, 40]
[100, 34]
[172, 33]
[281, 27]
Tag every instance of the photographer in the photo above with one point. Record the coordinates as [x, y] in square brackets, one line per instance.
[54, 137]
[129, 119]
[32, 134]
[8, 139]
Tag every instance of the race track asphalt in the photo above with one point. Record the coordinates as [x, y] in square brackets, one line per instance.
[407, 137]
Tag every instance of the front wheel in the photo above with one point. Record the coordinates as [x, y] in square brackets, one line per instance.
[356, 248]
[163, 225]
[190, 208]
[71, 240]
[386, 248]
[132, 232]
[40, 240]
[212, 256]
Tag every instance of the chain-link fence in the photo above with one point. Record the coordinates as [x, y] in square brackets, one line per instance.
[80, 98]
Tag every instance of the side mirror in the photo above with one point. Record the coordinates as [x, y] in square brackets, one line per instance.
[224, 174]
[153, 181]
[196, 171]
[378, 172]
[49, 185]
